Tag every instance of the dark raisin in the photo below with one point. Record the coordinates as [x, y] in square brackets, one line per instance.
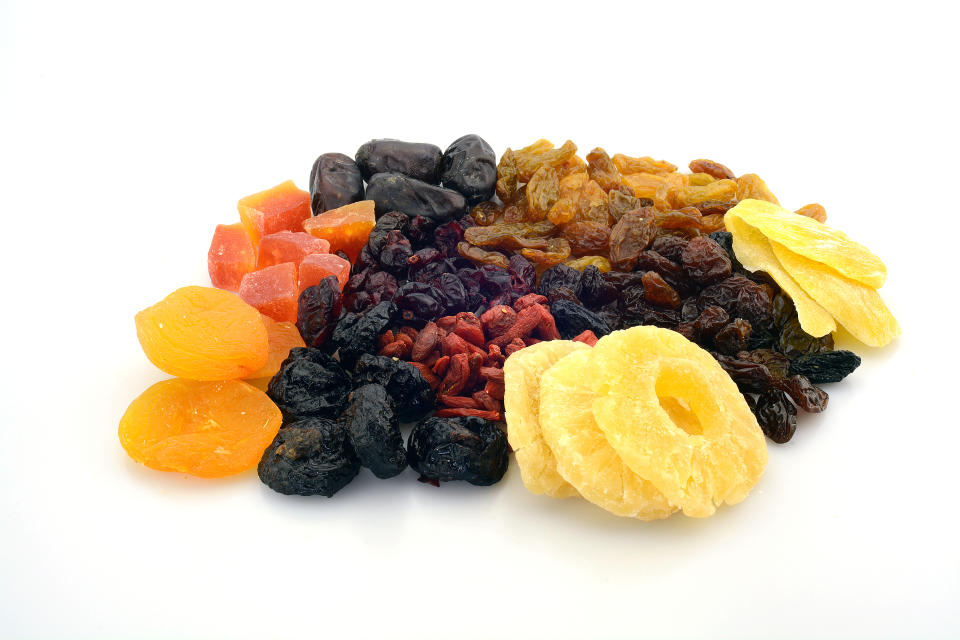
[776, 362]
[595, 291]
[689, 310]
[710, 321]
[733, 338]
[563, 293]
[749, 376]
[469, 166]
[724, 293]
[469, 449]
[309, 457]
[396, 254]
[397, 192]
[804, 393]
[411, 393]
[755, 304]
[391, 221]
[632, 234]
[572, 320]
[624, 279]
[559, 276]
[783, 309]
[794, 341]
[373, 431]
[587, 238]
[670, 246]
[318, 309]
[827, 366]
[657, 291]
[310, 383]
[725, 240]
[636, 311]
[777, 415]
[357, 334]
[705, 261]
[670, 271]
[415, 159]
[610, 314]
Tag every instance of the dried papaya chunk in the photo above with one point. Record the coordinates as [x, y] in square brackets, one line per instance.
[206, 429]
[754, 252]
[814, 240]
[521, 401]
[857, 307]
[584, 457]
[675, 418]
[201, 333]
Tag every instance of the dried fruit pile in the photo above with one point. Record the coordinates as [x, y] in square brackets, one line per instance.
[446, 289]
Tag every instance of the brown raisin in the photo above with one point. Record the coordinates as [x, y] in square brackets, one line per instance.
[657, 291]
[715, 169]
[587, 238]
[705, 261]
[602, 170]
[631, 235]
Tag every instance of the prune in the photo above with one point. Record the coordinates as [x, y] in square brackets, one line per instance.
[670, 246]
[559, 276]
[710, 321]
[794, 341]
[411, 393]
[390, 221]
[395, 254]
[373, 431]
[657, 291]
[734, 337]
[705, 261]
[309, 457]
[417, 160]
[469, 449]
[594, 290]
[587, 238]
[310, 383]
[777, 363]
[749, 376]
[725, 240]
[357, 334]
[602, 170]
[335, 181]
[827, 366]
[420, 231]
[469, 166]
[572, 320]
[524, 274]
[776, 415]
[636, 311]
[397, 192]
[808, 397]
[318, 309]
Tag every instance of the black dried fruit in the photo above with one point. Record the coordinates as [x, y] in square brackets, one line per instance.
[572, 320]
[335, 181]
[397, 192]
[373, 431]
[733, 338]
[469, 449]
[595, 290]
[808, 397]
[794, 341]
[420, 231]
[469, 166]
[750, 377]
[637, 311]
[418, 160]
[559, 276]
[309, 457]
[318, 309]
[724, 293]
[390, 221]
[827, 366]
[396, 253]
[411, 393]
[310, 383]
[777, 415]
[776, 362]
[725, 240]
[357, 334]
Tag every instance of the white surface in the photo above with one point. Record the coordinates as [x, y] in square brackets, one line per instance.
[130, 130]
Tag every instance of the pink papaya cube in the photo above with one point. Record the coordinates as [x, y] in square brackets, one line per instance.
[281, 208]
[231, 256]
[318, 266]
[288, 246]
[273, 291]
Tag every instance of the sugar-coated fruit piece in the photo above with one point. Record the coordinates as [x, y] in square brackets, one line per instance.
[281, 208]
[318, 266]
[273, 291]
[202, 333]
[288, 246]
[281, 337]
[346, 228]
[231, 256]
[206, 429]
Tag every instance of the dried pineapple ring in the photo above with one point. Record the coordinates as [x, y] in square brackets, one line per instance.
[675, 418]
[856, 306]
[521, 402]
[754, 252]
[584, 457]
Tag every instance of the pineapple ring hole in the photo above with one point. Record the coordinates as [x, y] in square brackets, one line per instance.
[681, 414]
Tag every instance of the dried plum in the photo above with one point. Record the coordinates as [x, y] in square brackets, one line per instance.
[309, 457]
[412, 396]
[373, 431]
[397, 192]
[572, 320]
[335, 181]
[418, 160]
[310, 383]
[826, 366]
[777, 415]
[318, 310]
[469, 449]
[357, 334]
[469, 166]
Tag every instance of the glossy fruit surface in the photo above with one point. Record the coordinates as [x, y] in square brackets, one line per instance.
[280, 208]
[346, 228]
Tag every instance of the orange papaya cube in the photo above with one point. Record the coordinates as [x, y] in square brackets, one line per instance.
[318, 266]
[288, 246]
[346, 228]
[231, 256]
[272, 291]
[282, 208]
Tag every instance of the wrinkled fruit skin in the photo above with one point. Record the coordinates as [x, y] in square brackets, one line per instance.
[356, 334]
[411, 393]
[469, 449]
[777, 415]
[828, 366]
[572, 320]
[318, 309]
[309, 457]
[372, 428]
[417, 160]
[469, 166]
[397, 192]
[335, 181]
[310, 383]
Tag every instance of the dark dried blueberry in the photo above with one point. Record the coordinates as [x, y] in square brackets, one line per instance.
[391, 221]
[357, 334]
[594, 289]
[373, 431]
[794, 341]
[335, 181]
[705, 261]
[559, 276]
[395, 254]
[808, 397]
[733, 338]
[469, 166]
[749, 376]
[827, 366]
[777, 415]
[418, 160]
[397, 192]
[309, 457]
[776, 362]
[310, 383]
[318, 309]
[412, 396]
[572, 320]
[420, 231]
[469, 449]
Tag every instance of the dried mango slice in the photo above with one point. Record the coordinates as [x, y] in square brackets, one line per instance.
[754, 252]
[521, 402]
[584, 457]
[814, 240]
[674, 417]
[856, 306]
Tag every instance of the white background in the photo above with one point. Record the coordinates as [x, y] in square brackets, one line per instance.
[130, 129]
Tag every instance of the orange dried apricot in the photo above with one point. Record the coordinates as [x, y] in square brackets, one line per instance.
[281, 337]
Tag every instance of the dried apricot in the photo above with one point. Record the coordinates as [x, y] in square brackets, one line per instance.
[201, 333]
[206, 429]
[281, 337]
